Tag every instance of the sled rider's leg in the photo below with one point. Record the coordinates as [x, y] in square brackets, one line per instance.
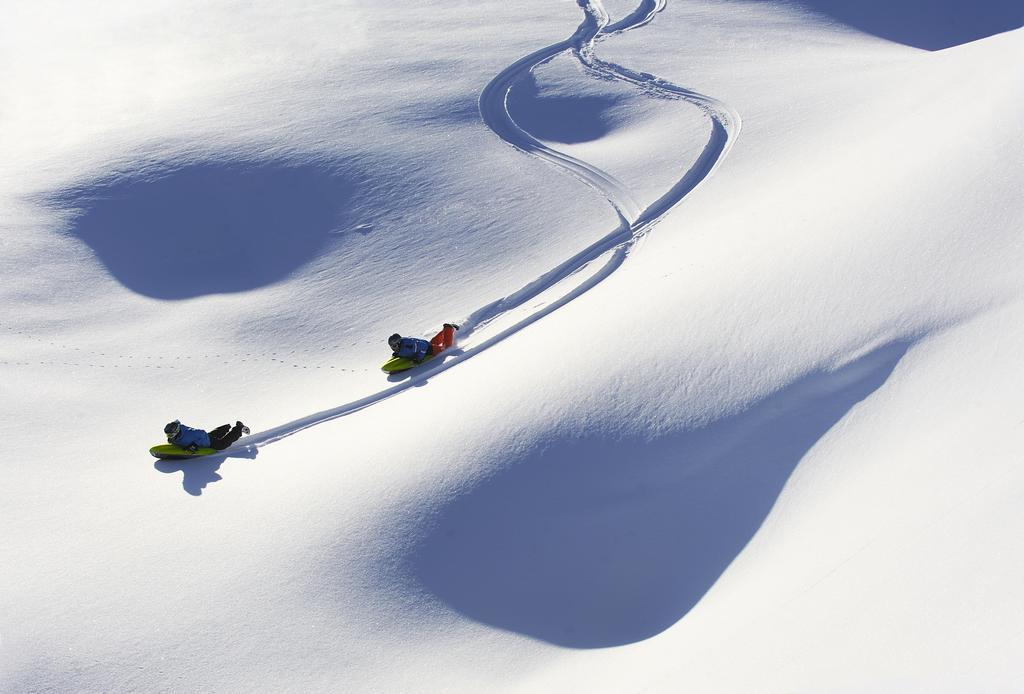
[448, 335]
[230, 437]
[220, 431]
[218, 440]
[443, 340]
[437, 343]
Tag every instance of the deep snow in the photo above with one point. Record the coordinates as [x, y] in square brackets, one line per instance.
[736, 404]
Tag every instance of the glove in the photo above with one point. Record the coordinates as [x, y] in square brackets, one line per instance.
[192, 447]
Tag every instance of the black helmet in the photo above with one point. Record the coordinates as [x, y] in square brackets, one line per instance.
[395, 341]
[172, 428]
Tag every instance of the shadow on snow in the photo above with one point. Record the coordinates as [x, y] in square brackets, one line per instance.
[928, 24]
[596, 543]
[211, 227]
[197, 473]
[565, 118]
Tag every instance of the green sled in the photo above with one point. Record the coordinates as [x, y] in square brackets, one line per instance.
[396, 364]
[168, 451]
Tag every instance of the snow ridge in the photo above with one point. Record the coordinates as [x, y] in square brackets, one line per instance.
[635, 222]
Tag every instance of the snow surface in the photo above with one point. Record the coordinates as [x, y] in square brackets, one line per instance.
[736, 404]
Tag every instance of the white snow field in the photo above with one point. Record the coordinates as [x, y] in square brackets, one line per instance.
[737, 403]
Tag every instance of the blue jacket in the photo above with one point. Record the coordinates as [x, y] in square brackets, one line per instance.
[412, 348]
[187, 436]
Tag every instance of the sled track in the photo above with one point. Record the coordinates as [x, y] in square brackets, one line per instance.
[494, 111]
[635, 222]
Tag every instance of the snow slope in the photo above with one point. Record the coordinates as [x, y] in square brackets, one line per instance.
[736, 403]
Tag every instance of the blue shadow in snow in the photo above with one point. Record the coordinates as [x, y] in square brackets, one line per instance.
[197, 473]
[210, 227]
[557, 117]
[928, 24]
[598, 543]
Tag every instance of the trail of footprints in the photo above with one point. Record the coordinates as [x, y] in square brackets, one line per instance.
[76, 357]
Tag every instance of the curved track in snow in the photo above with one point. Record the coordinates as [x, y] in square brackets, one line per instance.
[725, 120]
[635, 221]
[494, 111]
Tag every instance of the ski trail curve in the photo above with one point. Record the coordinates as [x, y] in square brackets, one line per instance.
[642, 15]
[725, 126]
[493, 104]
[635, 222]
[725, 120]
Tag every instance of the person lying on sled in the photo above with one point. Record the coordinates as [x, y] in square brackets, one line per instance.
[193, 439]
[417, 350]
